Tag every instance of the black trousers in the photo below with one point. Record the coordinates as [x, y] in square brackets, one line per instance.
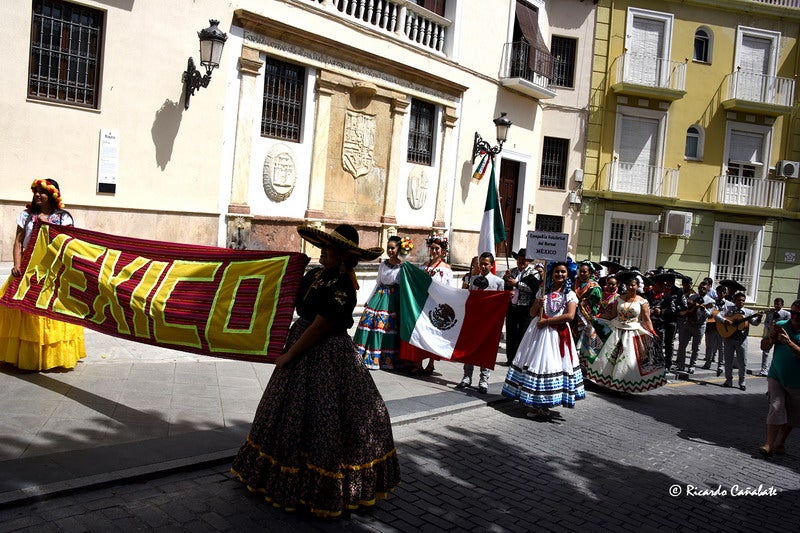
[518, 317]
[666, 330]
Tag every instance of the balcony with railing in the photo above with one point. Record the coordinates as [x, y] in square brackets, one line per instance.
[527, 69]
[753, 192]
[400, 19]
[643, 179]
[753, 92]
[649, 77]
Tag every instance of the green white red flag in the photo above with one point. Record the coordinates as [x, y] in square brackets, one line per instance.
[453, 324]
[492, 229]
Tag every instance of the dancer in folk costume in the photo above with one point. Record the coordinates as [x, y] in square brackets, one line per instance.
[546, 372]
[33, 342]
[631, 359]
[376, 336]
[440, 272]
[589, 294]
[321, 438]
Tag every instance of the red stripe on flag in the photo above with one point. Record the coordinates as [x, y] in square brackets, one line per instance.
[479, 340]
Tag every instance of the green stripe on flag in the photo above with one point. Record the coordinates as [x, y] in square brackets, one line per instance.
[493, 202]
[414, 285]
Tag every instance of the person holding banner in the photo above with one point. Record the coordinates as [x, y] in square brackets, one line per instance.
[32, 342]
[321, 438]
[546, 372]
[376, 336]
[440, 272]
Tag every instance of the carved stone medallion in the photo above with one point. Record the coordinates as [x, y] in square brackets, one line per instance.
[280, 173]
[358, 146]
[417, 190]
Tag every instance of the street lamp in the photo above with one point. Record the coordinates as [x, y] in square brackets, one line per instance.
[480, 146]
[212, 40]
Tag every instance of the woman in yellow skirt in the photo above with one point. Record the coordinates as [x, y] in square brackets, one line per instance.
[33, 342]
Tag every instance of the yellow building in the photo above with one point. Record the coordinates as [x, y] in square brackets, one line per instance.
[692, 143]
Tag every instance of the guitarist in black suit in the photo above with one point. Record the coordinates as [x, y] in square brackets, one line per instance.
[734, 323]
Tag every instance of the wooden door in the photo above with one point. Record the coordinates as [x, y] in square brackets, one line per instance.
[507, 192]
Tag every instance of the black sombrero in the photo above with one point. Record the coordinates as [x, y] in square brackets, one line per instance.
[344, 236]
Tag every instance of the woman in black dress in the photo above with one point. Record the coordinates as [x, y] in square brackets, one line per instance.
[321, 438]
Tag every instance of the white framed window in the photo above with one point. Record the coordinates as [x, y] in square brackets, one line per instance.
[756, 50]
[703, 45]
[630, 239]
[648, 41]
[639, 150]
[695, 137]
[736, 254]
[747, 145]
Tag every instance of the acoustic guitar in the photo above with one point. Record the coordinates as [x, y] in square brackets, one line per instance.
[727, 329]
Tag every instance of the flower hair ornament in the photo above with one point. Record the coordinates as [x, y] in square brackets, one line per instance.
[435, 238]
[406, 246]
[51, 186]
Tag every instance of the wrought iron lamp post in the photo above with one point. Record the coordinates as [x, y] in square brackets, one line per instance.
[212, 40]
[481, 146]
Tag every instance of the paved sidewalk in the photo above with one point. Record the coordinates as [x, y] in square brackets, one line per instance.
[131, 409]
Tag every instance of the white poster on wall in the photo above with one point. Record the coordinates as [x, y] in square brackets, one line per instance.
[108, 161]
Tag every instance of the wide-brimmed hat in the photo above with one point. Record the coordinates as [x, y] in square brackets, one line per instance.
[664, 276]
[344, 236]
[625, 276]
[732, 285]
[522, 252]
[612, 264]
[597, 267]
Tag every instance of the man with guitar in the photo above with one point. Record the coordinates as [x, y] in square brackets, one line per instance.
[733, 324]
[714, 342]
[693, 325]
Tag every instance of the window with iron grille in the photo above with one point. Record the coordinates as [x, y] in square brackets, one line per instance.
[563, 50]
[549, 223]
[628, 242]
[420, 133]
[284, 91]
[65, 53]
[736, 255]
[554, 163]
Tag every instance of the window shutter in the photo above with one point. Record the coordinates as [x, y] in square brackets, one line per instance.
[745, 147]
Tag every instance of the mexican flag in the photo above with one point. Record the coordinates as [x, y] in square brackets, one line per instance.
[492, 229]
[454, 324]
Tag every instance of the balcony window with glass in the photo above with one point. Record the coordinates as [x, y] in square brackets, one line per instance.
[629, 239]
[284, 95]
[65, 53]
[421, 132]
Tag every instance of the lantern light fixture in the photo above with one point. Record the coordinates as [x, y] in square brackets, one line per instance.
[481, 146]
[212, 41]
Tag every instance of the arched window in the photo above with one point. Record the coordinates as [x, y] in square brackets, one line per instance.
[702, 45]
[694, 143]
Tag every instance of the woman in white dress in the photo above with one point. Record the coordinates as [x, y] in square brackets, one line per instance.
[631, 359]
[546, 372]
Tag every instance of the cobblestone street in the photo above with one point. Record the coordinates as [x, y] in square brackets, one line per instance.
[612, 463]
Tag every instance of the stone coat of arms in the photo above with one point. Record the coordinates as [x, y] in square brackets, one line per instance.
[358, 146]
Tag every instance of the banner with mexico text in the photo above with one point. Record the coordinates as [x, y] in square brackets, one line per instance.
[236, 304]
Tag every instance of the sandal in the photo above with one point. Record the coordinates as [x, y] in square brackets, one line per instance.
[764, 452]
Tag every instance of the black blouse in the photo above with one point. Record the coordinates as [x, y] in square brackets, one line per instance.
[330, 294]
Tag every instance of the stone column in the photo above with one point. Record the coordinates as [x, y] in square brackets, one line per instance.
[389, 215]
[238, 220]
[447, 166]
[326, 88]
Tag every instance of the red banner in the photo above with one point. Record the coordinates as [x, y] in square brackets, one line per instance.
[236, 304]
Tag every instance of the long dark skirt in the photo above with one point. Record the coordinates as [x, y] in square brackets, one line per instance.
[321, 438]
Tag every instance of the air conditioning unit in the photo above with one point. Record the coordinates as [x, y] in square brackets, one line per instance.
[677, 223]
[787, 169]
